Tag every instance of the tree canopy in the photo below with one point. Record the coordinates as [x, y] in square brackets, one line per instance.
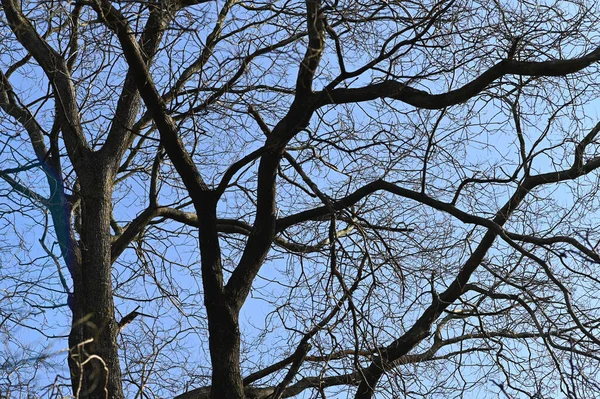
[318, 199]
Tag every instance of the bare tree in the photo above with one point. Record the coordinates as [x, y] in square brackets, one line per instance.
[299, 199]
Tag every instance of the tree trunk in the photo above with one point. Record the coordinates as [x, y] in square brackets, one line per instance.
[224, 343]
[222, 314]
[93, 338]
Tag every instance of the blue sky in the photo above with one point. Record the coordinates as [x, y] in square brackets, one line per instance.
[473, 140]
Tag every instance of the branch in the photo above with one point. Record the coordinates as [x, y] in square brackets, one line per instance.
[120, 135]
[234, 168]
[228, 226]
[555, 240]
[298, 358]
[315, 21]
[130, 317]
[136, 226]
[296, 119]
[292, 390]
[24, 191]
[422, 99]
[10, 104]
[56, 69]
[156, 106]
[577, 169]
[379, 185]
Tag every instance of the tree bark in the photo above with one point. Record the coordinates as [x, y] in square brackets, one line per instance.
[224, 343]
[95, 364]
[222, 315]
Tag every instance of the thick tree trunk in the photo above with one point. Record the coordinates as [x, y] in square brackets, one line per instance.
[224, 343]
[222, 314]
[95, 367]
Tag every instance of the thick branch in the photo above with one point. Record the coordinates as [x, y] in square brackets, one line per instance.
[422, 99]
[292, 390]
[316, 44]
[56, 70]
[154, 102]
[121, 134]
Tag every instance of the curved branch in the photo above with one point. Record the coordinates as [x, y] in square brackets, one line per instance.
[421, 99]
[57, 71]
